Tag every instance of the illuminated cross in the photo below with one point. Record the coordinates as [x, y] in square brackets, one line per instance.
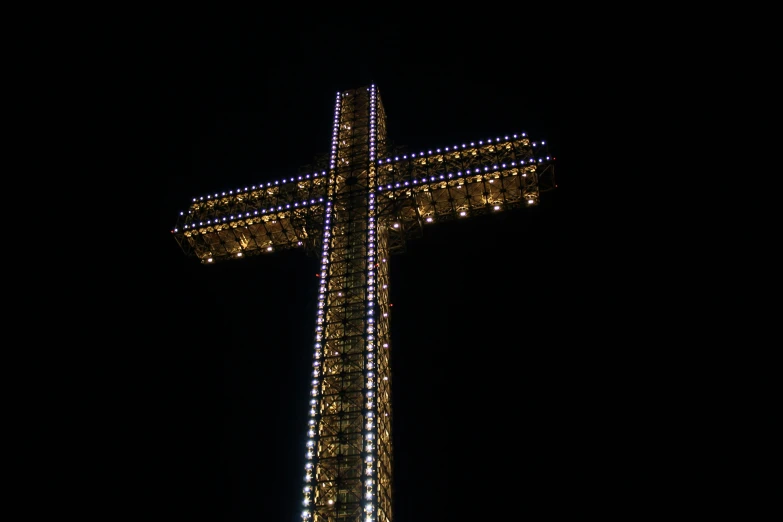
[357, 206]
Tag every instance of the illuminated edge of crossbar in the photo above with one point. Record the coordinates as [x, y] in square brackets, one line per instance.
[415, 181]
[388, 160]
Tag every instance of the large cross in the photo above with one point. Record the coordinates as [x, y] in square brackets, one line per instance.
[357, 205]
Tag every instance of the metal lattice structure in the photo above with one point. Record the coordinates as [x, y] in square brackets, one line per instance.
[355, 207]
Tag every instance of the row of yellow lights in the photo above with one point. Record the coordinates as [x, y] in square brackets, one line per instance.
[395, 225]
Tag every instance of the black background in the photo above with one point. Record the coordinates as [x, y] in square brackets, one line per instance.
[491, 377]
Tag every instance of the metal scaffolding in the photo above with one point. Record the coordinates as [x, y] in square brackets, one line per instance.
[352, 209]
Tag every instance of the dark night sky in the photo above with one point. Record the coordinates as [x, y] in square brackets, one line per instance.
[483, 376]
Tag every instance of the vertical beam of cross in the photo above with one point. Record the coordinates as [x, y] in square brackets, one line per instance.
[348, 470]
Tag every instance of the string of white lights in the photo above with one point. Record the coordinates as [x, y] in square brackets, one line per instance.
[315, 175]
[415, 181]
[371, 426]
[316, 382]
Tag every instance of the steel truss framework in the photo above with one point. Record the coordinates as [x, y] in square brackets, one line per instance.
[354, 208]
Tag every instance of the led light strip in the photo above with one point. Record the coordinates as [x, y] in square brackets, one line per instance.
[263, 211]
[316, 382]
[451, 175]
[261, 186]
[371, 426]
[455, 147]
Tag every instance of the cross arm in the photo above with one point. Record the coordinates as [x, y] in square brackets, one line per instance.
[271, 216]
[462, 181]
